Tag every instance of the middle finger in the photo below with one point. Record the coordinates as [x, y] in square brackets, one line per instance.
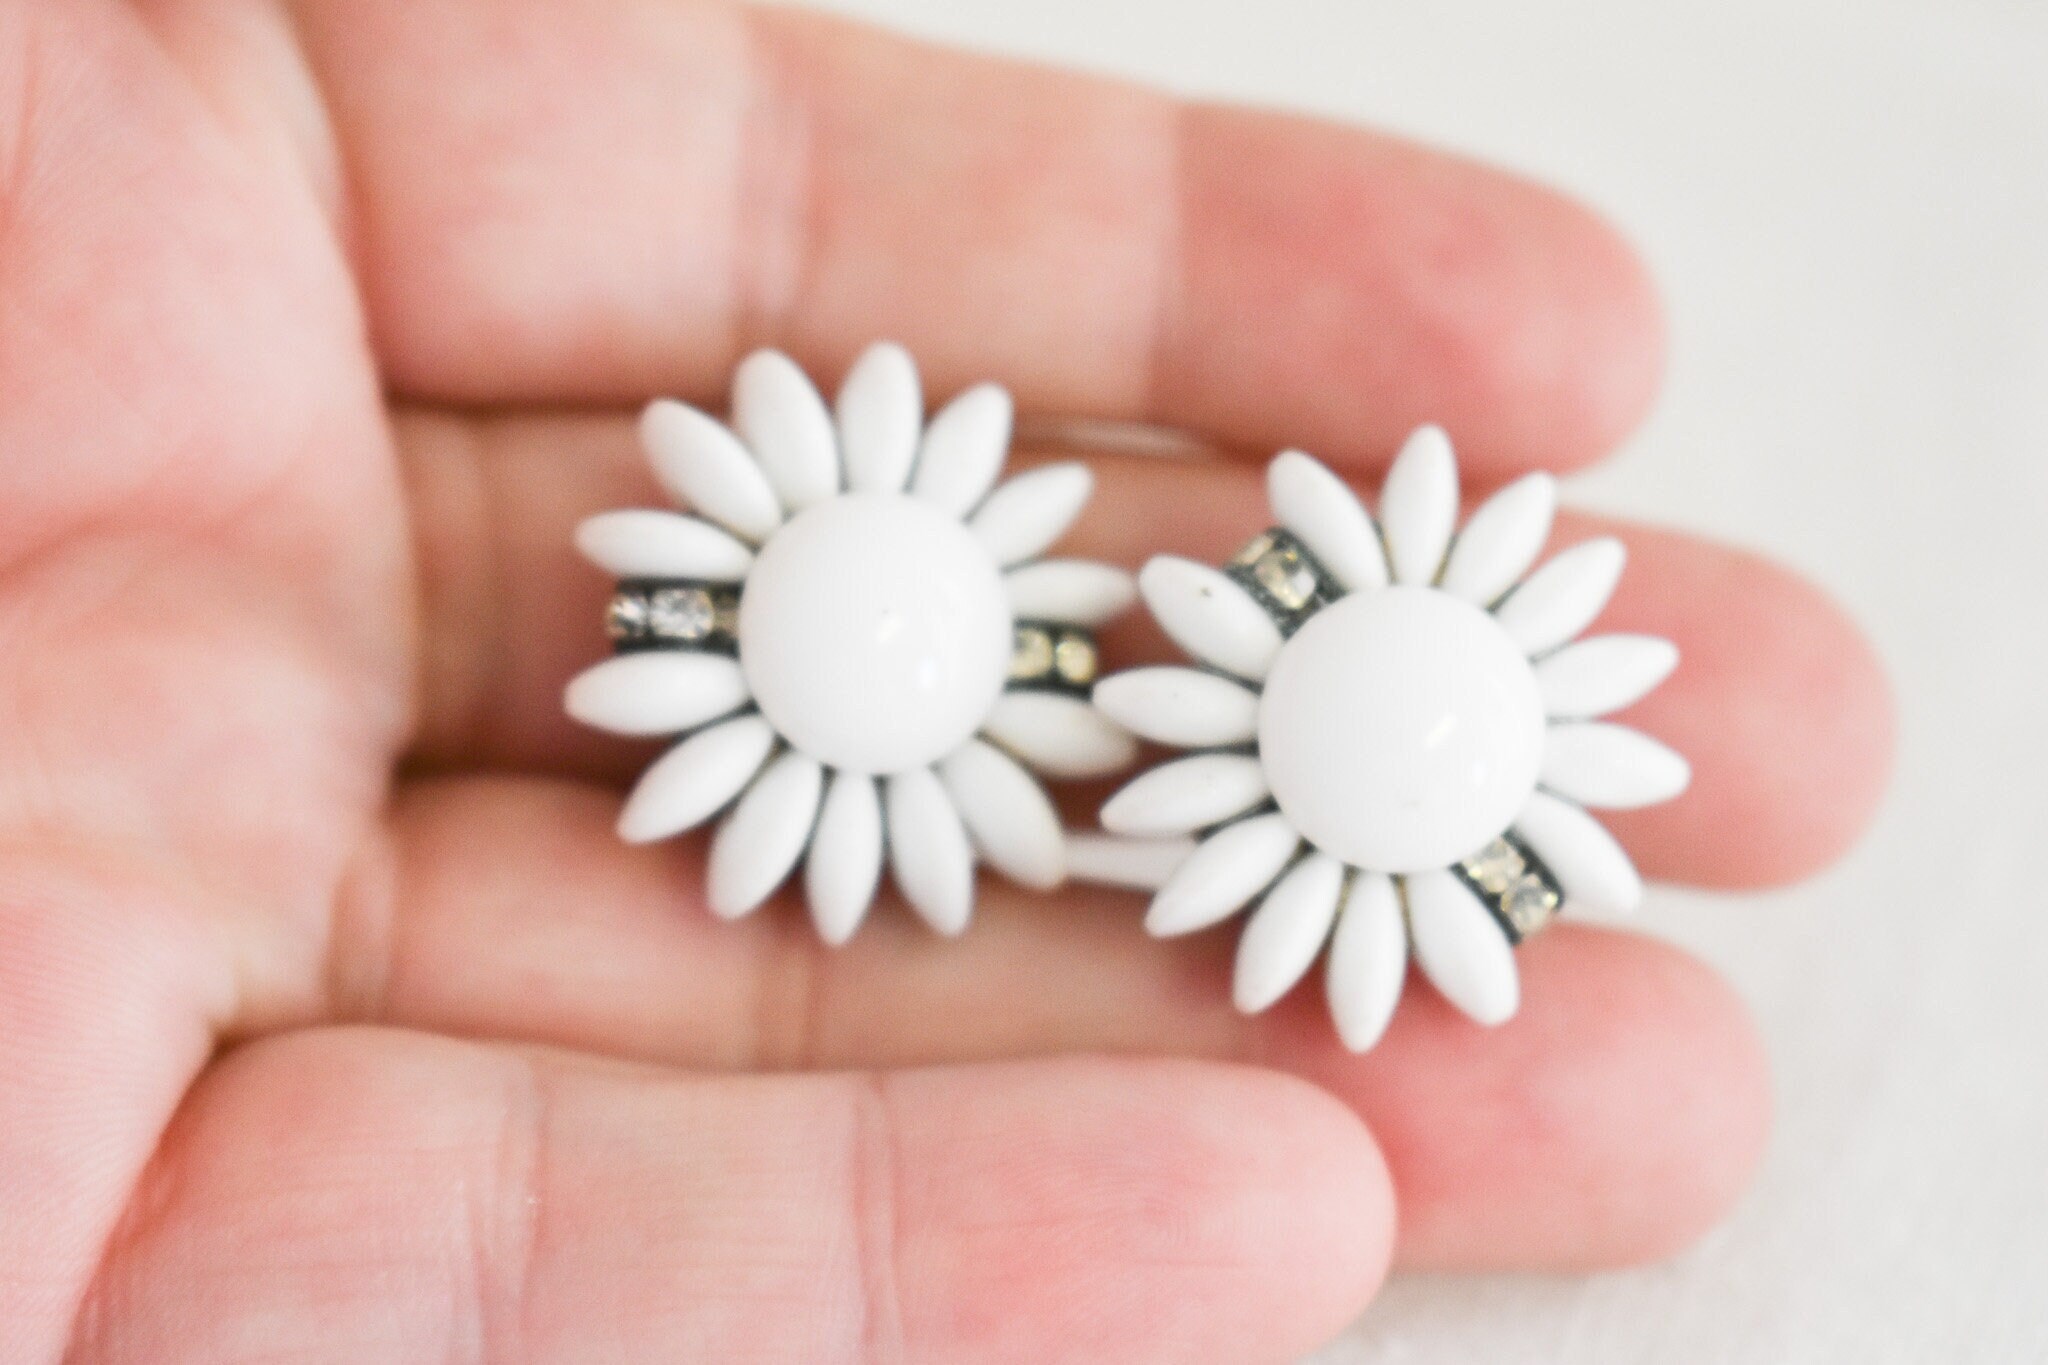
[1777, 703]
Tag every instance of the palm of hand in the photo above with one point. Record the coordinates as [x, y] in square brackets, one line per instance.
[281, 753]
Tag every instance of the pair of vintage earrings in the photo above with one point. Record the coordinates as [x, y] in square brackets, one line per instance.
[869, 659]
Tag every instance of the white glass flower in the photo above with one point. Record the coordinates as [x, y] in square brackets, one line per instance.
[858, 640]
[1396, 742]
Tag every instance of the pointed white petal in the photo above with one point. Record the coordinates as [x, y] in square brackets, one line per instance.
[1026, 515]
[659, 692]
[1227, 869]
[1419, 506]
[1368, 961]
[1186, 795]
[881, 413]
[1134, 864]
[846, 857]
[928, 851]
[1183, 707]
[1059, 735]
[764, 836]
[705, 465]
[1286, 932]
[777, 411]
[1501, 540]
[1209, 616]
[1561, 599]
[1076, 591]
[1461, 948]
[963, 449]
[645, 543]
[692, 782]
[1327, 517]
[1611, 766]
[1593, 870]
[1603, 674]
[1011, 819]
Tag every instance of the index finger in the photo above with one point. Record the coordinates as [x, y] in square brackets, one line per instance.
[594, 203]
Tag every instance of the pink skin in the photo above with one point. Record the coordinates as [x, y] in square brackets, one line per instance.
[287, 804]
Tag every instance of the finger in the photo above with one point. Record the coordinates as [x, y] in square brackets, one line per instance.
[109, 989]
[756, 174]
[1612, 1120]
[1778, 702]
[378, 1195]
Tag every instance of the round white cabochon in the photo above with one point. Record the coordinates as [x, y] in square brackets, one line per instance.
[874, 632]
[1401, 729]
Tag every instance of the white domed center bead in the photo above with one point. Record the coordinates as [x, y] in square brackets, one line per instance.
[874, 632]
[1401, 729]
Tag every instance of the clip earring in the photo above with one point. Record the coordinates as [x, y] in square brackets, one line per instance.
[858, 641]
[1397, 741]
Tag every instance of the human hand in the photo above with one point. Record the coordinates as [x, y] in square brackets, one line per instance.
[335, 1023]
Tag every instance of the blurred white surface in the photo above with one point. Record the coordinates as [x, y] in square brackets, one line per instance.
[1848, 207]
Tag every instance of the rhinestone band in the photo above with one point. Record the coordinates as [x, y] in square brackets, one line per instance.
[1056, 657]
[1512, 882]
[1281, 575]
[646, 615]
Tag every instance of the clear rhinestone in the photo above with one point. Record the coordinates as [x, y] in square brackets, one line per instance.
[1496, 867]
[1530, 905]
[1252, 553]
[625, 618]
[1031, 656]
[1282, 572]
[1075, 659]
[685, 614]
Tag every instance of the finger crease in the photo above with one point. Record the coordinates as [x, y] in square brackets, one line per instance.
[787, 1003]
[506, 1226]
[774, 208]
[877, 1201]
[1168, 286]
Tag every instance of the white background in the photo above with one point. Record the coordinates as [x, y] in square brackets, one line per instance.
[1848, 207]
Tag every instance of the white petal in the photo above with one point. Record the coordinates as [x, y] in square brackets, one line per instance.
[881, 413]
[777, 411]
[1011, 819]
[657, 692]
[690, 783]
[1368, 961]
[1227, 869]
[705, 465]
[1561, 599]
[1326, 516]
[1134, 864]
[963, 449]
[1595, 873]
[1461, 948]
[1059, 735]
[764, 836]
[1076, 591]
[1186, 795]
[1501, 540]
[1183, 707]
[846, 857]
[645, 543]
[1611, 766]
[1603, 674]
[1030, 512]
[1209, 616]
[928, 851]
[1286, 932]
[1419, 506]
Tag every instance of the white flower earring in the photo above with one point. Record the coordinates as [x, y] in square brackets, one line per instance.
[858, 641]
[1397, 742]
